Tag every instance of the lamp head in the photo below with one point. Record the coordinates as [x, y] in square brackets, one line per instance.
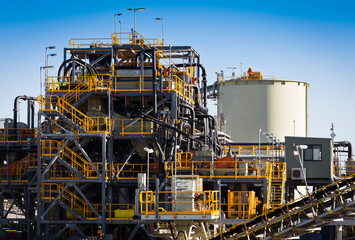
[148, 150]
[47, 67]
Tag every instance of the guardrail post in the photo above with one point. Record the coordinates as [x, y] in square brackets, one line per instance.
[156, 198]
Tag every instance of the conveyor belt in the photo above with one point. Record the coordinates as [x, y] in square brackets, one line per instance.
[320, 208]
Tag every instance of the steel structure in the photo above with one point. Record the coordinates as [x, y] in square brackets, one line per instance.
[125, 148]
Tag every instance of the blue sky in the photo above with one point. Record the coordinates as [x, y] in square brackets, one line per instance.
[310, 41]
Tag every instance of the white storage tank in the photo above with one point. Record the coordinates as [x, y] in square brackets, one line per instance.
[252, 102]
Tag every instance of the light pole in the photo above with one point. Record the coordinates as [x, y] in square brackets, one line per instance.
[148, 150]
[270, 136]
[118, 14]
[259, 148]
[162, 27]
[134, 11]
[47, 55]
[120, 29]
[40, 75]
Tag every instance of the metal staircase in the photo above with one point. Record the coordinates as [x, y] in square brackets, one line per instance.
[76, 166]
[56, 106]
[77, 207]
[276, 185]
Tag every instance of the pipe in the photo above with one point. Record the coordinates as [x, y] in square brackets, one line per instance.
[204, 80]
[91, 69]
[348, 145]
[192, 116]
[211, 121]
[32, 114]
[154, 83]
[28, 113]
[139, 55]
[203, 109]
[212, 126]
[23, 97]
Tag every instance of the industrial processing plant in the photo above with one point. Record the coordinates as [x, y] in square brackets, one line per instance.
[123, 146]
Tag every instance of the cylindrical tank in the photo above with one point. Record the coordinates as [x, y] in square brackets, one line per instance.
[275, 106]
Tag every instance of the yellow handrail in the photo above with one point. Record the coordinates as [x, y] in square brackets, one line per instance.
[54, 103]
[202, 202]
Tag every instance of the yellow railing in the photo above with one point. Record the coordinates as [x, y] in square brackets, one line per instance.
[276, 172]
[184, 160]
[187, 202]
[18, 135]
[176, 84]
[114, 40]
[78, 84]
[54, 103]
[21, 168]
[49, 191]
[142, 41]
[268, 150]
[89, 42]
[225, 169]
[130, 170]
[101, 125]
[15, 171]
[51, 147]
[344, 169]
[182, 88]
[140, 127]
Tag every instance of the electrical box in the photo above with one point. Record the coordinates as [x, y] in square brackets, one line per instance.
[142, 181]
[187, 188]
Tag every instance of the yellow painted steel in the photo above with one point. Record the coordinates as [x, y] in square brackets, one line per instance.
[241, 169]
[205, 203]
[253, 149]
[50, 191]
[17, 135]
[53, 103]
[77, 84]
[140, 127]
[241, 204]
[276, 172]
[50, 148]
[18, 169]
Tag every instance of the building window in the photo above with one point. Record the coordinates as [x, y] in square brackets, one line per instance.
[313, 153]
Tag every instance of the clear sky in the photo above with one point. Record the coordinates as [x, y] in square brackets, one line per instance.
[306, 40]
